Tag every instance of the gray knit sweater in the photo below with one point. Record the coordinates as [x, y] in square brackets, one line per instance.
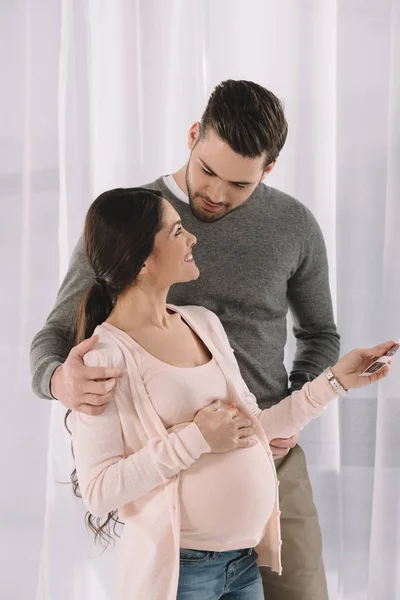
[256, 263]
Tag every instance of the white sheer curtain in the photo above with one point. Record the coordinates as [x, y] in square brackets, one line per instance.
[29, 45]
[101, 93]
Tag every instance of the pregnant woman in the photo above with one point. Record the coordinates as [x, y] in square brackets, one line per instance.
[181, 451]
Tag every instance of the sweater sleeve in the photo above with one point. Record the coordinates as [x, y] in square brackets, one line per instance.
[52, 344]
[292, 413]
[317, 340]
[108, 478]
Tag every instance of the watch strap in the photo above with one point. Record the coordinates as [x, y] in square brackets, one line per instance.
[335, 383]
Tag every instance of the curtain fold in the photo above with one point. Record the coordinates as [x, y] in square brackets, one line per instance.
[384, 577]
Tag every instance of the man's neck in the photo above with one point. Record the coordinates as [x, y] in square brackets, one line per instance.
[180, 178]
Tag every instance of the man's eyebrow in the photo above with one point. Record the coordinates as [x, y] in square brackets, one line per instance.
[208, 168]
[174, 225]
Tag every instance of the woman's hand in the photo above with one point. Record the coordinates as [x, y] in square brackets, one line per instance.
[348, 369]
[224, 427]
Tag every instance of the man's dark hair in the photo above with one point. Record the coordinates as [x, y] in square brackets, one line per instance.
[249, 118]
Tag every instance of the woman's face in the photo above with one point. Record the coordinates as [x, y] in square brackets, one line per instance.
[171, 260]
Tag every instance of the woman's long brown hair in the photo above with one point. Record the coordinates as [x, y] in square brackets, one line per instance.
[103, 528]
[120, 229]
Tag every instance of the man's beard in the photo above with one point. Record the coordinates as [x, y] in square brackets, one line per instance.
[198, 211]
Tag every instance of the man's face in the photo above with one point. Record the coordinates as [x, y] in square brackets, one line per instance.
[217, 178]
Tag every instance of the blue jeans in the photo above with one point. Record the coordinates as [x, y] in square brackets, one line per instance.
[206, 575]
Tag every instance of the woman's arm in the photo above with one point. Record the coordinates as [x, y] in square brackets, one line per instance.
[107, 478]
[292, 413]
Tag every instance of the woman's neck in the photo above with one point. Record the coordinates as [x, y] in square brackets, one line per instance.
[141, 308]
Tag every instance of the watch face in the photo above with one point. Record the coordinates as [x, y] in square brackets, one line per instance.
[335, 383]
[332, 379]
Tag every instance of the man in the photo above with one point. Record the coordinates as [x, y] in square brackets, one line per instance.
[260, 252]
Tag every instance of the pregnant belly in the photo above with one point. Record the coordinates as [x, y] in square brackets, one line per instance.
[226, 499]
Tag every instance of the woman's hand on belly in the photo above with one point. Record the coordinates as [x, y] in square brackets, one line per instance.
[224, 428]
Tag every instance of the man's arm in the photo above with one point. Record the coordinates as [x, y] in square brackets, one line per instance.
[51, 346]
[318, 342]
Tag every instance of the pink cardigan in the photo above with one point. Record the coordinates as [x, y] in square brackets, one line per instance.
[126, 459]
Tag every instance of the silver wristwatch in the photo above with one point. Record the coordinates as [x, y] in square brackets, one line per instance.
[335, 383]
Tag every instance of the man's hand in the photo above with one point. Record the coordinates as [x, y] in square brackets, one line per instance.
[81, 388]
[281, 446]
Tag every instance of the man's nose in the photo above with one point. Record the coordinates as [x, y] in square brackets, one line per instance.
[217, 192]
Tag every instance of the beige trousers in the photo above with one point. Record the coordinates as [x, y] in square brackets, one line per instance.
[303, 576]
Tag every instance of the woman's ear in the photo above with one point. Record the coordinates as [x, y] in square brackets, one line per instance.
[144, 269]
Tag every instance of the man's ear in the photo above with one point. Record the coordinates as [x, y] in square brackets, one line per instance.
[193, 135]
[268, 169]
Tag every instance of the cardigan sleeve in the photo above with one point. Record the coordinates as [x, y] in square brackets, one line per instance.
[292, 413]
[108, 478]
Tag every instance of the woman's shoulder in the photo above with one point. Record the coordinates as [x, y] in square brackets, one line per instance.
[106, 352]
